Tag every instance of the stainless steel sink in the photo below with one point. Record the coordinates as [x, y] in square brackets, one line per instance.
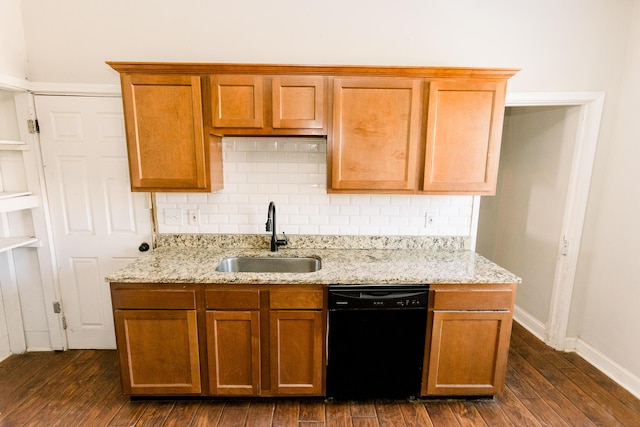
[269, 265]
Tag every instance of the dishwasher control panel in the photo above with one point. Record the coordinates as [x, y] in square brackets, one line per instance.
[370, 297]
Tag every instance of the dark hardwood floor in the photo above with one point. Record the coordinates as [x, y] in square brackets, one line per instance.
[81, 388]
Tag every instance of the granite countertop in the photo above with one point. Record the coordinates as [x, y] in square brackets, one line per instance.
[180, 260]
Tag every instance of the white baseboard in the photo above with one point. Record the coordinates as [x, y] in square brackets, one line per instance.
[5, 347]
[38, 341]
[530, 323]
[610, 368]
[617, 373]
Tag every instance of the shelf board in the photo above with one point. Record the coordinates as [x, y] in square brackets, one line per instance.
[11, 194]
[17, 202]
[13, 145]
[8, 243]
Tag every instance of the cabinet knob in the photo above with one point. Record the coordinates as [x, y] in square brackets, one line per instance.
[144, 247]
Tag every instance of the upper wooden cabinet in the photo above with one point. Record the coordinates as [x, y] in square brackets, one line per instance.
[414, 130]
[166, 144]
[376, 134]
[463, 134]
[298, 102]
[256, 104]
[237, 101]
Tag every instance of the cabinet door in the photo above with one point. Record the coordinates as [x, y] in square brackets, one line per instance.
[233, 343]
[158, 351]
[296, 343]
[298, 102]
[165, 136]
[464, 130]
[376, 134]
[469, 351]
[237, 101]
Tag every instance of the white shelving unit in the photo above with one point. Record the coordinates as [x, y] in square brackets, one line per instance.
[28, 287]
[12, 201]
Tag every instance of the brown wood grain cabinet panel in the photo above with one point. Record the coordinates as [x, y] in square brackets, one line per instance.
[463, 135]
[296, 347]
[233, 345]
[237, 101]
[154, 299]
[469, 352]
[296, 299]
[376, 134]
[236, 299]
[158, 351]
[165, 133]
[298, 102]
[502, 299]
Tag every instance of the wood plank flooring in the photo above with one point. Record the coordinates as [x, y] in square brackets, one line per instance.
[81, 388]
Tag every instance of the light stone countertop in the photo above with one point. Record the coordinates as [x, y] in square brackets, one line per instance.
[180, 261]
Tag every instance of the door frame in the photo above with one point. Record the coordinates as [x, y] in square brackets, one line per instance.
[591, 104]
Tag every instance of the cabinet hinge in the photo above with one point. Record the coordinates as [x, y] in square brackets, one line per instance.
[64, 322]
[56, 307]
[33, 125]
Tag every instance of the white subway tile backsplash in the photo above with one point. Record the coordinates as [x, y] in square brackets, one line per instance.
[228, 229]
[176, 198]
[197, 198]
[292, 173]
[369, 210]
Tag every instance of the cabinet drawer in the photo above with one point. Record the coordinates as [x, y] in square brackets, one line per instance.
[473, 300]
[296, 299]
[154, 299]
[232, 299]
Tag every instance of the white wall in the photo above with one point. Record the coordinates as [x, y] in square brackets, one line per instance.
[606, 308]
[572, 45]
[560, 45]
[13, 50]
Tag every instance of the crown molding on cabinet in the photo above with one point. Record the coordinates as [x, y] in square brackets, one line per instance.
[333, 70]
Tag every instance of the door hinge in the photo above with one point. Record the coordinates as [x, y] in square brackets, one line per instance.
[64, 322]
[56, 307]
[565, 247]
[33, 125]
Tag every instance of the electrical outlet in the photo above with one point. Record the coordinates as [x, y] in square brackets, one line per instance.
[173, 216]
[194, 216]
[429, 219]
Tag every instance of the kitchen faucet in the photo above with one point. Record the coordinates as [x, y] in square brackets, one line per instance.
[271, 226]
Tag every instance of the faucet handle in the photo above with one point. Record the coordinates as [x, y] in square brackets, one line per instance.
[282, 242]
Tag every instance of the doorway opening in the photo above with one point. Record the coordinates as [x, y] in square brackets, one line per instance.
[533, 225]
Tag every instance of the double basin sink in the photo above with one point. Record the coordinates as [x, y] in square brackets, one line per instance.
[249, 264]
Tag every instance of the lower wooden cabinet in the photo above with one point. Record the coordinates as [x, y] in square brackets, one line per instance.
[468, 342]
[281, 355]
[297, 350]
[233, 357]
[269, 340]
[158, 351]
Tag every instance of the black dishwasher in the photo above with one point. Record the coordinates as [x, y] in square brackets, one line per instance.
[376, 338]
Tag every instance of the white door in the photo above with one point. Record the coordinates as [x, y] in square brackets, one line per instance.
[97, 222]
